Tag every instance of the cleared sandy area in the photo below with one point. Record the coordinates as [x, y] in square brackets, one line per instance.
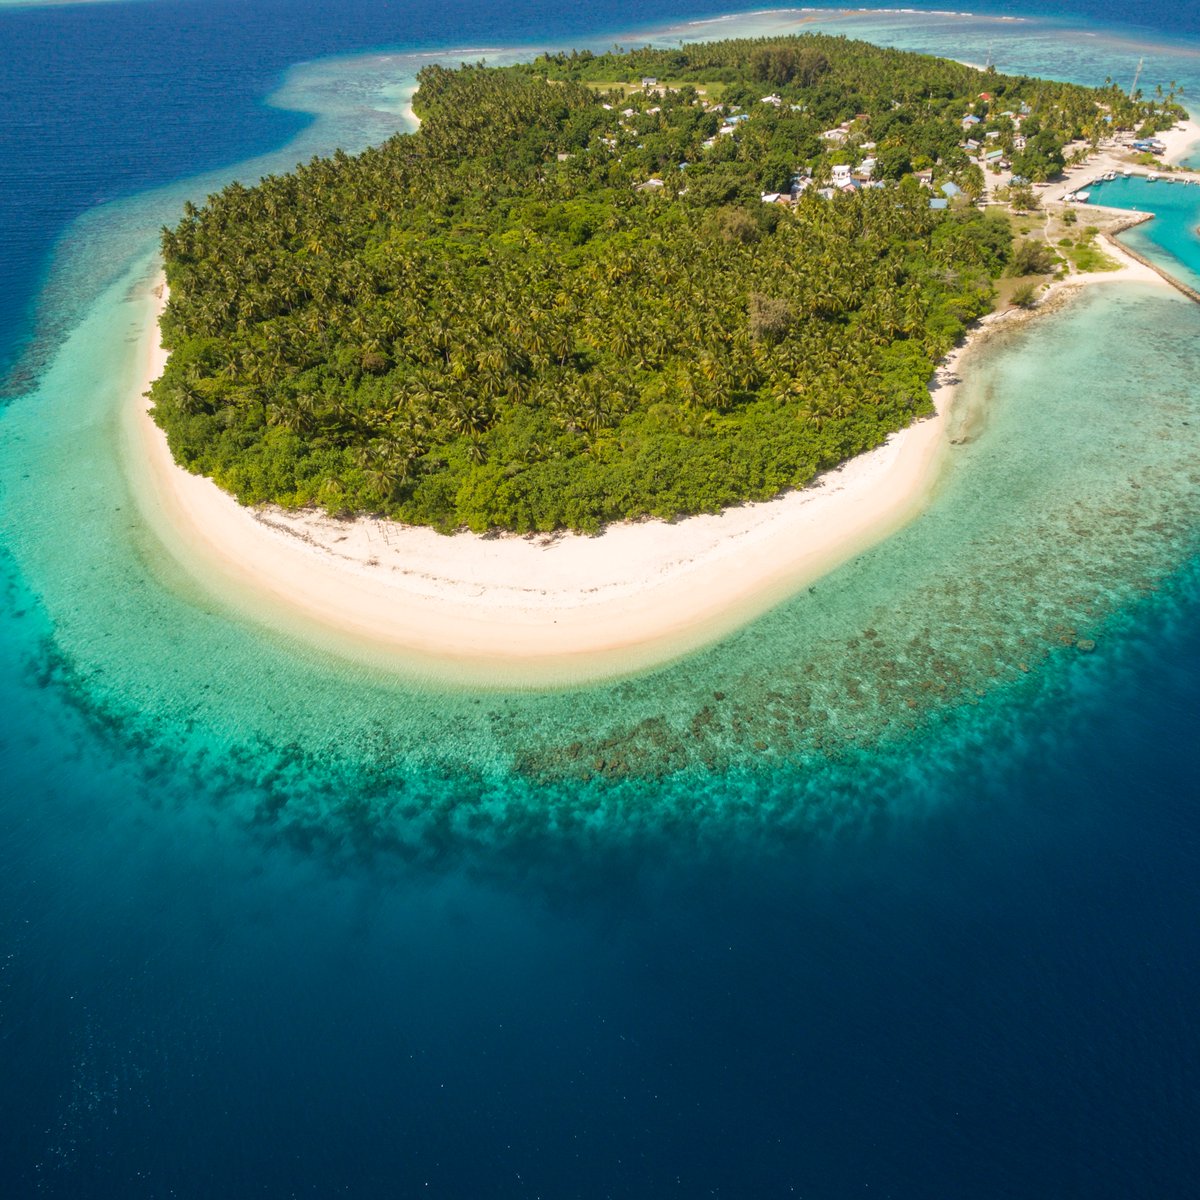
[1183, 139]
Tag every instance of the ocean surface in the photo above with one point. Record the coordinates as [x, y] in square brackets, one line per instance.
[894, 892]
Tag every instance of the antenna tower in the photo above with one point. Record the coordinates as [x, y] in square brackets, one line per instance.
[1136, 76]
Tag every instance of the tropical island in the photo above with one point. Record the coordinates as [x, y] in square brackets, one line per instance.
[599, 287]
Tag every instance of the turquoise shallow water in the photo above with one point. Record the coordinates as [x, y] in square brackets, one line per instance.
[1172, 239]
[895, 880]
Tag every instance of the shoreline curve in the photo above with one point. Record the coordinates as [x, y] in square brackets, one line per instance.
[536, 610]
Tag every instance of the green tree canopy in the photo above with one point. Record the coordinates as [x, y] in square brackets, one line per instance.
[563, 302]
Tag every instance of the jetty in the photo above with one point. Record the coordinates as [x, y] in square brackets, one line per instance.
[1110, 236]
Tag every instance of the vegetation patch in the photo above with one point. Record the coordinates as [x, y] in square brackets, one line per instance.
[1085, 255]
[564, 302]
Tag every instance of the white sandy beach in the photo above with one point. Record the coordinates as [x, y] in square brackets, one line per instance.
[639, 592]
[1182, 140]
[539, 609]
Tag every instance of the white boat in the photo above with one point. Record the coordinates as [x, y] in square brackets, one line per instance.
[1152, 177]
[1083, 197]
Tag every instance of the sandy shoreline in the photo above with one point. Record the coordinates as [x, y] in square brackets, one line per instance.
[539, 610]
[557, 607]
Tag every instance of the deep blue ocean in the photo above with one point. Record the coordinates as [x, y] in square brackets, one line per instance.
[988, 988]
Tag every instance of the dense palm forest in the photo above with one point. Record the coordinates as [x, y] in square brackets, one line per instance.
[566, 300]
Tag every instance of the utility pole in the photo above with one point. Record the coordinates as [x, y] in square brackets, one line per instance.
[1136, 76]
